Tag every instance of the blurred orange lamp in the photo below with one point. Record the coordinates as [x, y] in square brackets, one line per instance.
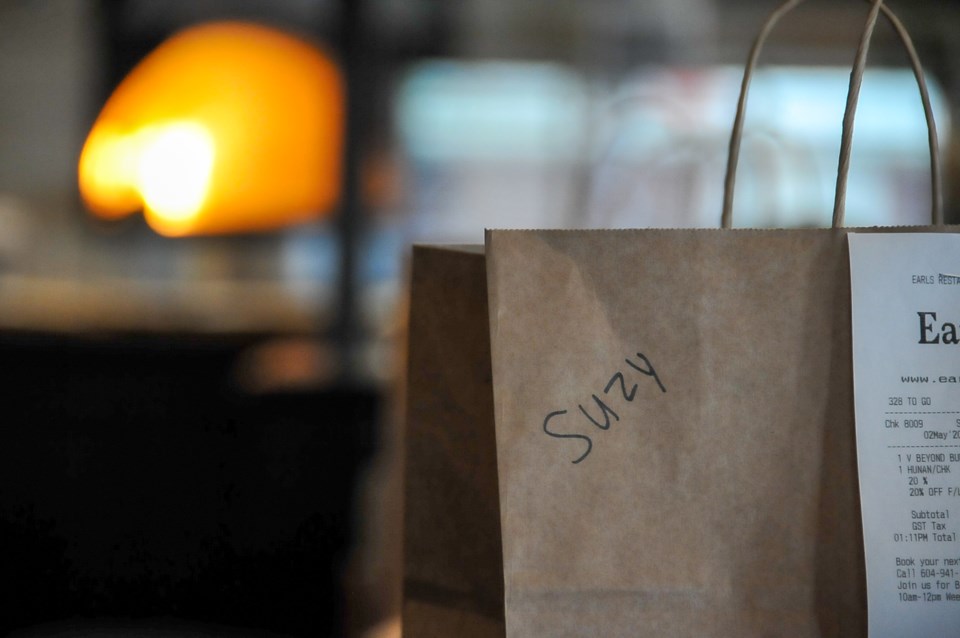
[226, 127]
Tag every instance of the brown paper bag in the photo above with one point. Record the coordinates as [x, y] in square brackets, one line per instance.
[711, 488]
[453, 566]
[634, 433]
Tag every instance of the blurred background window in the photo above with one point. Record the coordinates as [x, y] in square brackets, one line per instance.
[516, 145]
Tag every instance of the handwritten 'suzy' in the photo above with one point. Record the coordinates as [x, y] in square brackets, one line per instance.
[618, 380]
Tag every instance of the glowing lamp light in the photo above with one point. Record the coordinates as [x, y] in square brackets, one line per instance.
[225, 127]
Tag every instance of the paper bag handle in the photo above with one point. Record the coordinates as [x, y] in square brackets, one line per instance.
[853, 94]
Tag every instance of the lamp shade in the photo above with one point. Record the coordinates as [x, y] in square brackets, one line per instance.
[226, 127]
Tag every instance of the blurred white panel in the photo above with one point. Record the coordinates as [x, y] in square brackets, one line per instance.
[494, 111]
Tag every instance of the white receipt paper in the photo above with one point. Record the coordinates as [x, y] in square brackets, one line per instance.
[906, 366]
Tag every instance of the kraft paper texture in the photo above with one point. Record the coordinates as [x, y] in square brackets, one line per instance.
[674, 437]
[453, 566]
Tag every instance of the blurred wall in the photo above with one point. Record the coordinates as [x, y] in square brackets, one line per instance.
[47, 62]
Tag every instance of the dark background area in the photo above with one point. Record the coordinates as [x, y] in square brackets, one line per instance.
[136, 481]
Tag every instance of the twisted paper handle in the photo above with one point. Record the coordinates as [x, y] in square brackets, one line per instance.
[853, 94]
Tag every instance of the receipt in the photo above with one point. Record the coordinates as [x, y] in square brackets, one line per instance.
[906, 364]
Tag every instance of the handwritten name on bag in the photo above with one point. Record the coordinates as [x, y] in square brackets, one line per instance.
[618, 380]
